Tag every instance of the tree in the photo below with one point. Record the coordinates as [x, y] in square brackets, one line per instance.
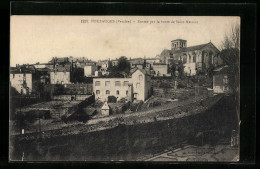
[122, 69]
[232, 38]
[230, 54]
[59, 89]
[77, 75]
[123, 64]
[231, 58]
[176, 65]
[13, 91]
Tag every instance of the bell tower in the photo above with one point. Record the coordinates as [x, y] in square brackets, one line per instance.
[178, 44]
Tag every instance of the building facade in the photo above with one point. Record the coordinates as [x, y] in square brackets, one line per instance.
[136, 87]
[160, 69]
[221, 80]
[60, 74]
[89, 70]
[194, 58]
[22, 82]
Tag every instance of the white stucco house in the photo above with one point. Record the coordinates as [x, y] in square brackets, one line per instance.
[60, 75]
[135, 87]
[21, 81]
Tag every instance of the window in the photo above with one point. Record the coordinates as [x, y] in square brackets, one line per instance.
[107, 83]
[140, 77]
[97, 83]
[107, 92]
[13, 75]
[126, 92]
[194, 58]
[126, 83]
[137, 85]
[97, 91]
[118, 83]
[117, 92]
[225, 80]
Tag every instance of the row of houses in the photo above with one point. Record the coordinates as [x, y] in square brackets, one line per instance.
[58, 70]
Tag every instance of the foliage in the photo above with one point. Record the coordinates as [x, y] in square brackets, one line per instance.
[230, 54]
[176, 65]
[123, 64]
[232, 38]
[210, 70]
[64, 119]
[111, 99]
[165, 85]
[231, 58]
[122, 69]
[77, 75]
[59, 89]
[13, 91]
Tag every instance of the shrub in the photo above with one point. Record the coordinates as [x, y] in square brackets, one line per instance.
[64, 119]
[111, 99]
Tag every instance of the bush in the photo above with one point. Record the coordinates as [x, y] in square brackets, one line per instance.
[111, 99]
[181, 85]
[165, 85]
[64, 119]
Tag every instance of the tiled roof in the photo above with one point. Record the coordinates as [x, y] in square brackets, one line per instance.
[146, 72]
[179, 40]
[187, 49]
[61, 68]
[191, 48]
[137, 61]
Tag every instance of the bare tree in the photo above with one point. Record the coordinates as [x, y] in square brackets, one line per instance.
[232, 38]
[231, 57]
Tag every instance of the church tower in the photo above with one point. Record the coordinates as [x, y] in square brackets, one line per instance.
[178, 44]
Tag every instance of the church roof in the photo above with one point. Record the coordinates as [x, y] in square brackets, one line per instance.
[191, 48]
[178, 40]
[187, 49]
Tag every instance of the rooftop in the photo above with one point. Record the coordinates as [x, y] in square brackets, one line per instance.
[178, 40]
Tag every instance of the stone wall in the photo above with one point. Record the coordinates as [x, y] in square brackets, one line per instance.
[127, 142]
[71, 97]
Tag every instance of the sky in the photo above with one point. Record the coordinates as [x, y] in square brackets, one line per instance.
[40, 38]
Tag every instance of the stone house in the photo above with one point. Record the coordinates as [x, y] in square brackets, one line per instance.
[135, 87]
